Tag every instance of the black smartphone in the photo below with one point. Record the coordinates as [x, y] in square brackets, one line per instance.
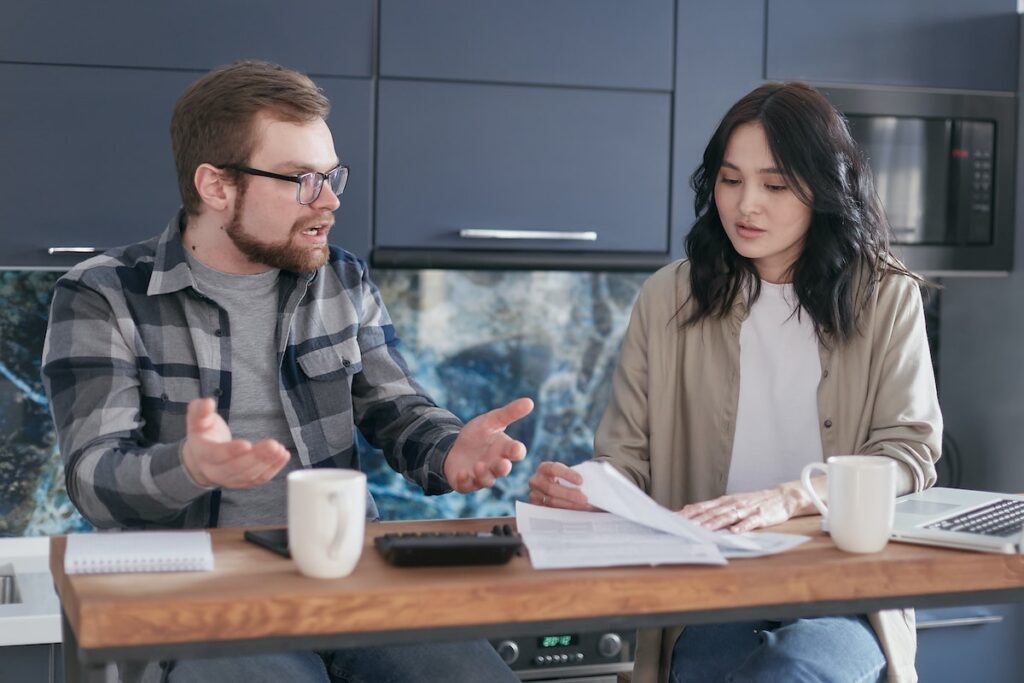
[271, 539]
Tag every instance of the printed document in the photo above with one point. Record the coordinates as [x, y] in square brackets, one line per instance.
[560, 539]
[633, 530]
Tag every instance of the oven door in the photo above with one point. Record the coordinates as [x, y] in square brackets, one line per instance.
[581, 657]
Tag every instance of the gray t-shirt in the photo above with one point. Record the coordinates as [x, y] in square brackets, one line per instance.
[256, 412]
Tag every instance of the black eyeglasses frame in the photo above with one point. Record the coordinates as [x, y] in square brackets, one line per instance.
[343, 169]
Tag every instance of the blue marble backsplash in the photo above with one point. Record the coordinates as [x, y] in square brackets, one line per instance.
[475, 339]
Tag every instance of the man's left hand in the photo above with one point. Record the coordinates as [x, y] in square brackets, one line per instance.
[483, 451]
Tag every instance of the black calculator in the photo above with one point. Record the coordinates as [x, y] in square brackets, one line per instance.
[434, 549]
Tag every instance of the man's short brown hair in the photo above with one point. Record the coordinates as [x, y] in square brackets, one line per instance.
[213, 119]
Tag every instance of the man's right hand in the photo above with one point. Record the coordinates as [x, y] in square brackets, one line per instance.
[212, 458]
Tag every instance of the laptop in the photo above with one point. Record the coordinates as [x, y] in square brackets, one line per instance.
[959, 518]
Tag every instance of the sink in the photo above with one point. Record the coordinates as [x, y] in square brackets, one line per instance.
[29, 609]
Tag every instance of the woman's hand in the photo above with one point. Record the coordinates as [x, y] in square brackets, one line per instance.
[545, 489]
[748, 511]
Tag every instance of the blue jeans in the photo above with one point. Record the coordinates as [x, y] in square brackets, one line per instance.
[826, 649]
[430, 662]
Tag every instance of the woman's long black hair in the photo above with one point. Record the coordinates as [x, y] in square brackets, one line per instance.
[846, 250]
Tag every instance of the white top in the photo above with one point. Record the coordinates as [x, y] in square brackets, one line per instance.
[777, 429]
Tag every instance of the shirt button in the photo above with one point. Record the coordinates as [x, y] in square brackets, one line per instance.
[346, 363]
[824, 373]
[828, 424]
[217, 392]
[218, 332]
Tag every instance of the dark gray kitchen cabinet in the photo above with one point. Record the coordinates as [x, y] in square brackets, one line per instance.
[31, 664]
[594, 43]
[971, 45]
[453, 157]
[87, 158]
[331, 38]
[532, 133]
[970, 644]
[710, 76]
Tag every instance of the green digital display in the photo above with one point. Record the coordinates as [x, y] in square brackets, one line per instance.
[564, 640]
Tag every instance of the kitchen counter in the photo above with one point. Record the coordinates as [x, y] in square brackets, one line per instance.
[35, 616]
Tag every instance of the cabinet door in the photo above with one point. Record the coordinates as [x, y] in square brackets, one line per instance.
[704, 93]
[599, 43]
[911, 42]
[970, 644]
[316, 37]
[88, 158]
[29, 663]
[453, 157]
[351, 122]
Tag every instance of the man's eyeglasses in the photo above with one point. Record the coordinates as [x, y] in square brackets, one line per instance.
[309, 184]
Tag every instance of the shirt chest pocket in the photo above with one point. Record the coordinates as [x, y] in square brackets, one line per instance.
[327, 391]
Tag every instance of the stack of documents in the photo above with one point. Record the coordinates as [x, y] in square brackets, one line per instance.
[634, 530]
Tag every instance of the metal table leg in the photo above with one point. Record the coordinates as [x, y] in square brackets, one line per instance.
[74, 670]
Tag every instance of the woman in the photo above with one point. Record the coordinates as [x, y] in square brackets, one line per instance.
[791, 333]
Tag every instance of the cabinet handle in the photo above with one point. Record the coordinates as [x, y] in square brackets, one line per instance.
[485, 234]
[71, 250]
[962, 621]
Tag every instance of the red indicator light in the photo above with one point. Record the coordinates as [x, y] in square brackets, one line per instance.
[959, 153]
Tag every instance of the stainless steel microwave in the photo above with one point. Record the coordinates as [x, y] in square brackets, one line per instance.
[943, 163]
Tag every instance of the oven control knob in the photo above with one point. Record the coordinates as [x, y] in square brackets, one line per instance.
[508, 651]
[610, 645]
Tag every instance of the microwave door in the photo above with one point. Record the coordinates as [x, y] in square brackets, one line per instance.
[909, 160]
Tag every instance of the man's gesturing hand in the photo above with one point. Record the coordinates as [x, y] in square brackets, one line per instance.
[212, 458]
[483, 451]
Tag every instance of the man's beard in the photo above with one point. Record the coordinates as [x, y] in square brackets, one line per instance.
[284, 255]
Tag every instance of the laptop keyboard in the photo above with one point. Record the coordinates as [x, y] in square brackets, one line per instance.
[1001, 518]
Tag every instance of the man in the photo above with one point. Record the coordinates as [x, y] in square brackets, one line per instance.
[190, 373]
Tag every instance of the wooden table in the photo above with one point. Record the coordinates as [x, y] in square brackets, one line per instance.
[256, 601]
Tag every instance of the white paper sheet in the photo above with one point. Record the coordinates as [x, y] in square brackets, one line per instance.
[560, 539]
[768, 542]
[607, 488]
[634, 530]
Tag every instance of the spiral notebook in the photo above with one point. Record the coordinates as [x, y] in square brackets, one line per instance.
[138, 551]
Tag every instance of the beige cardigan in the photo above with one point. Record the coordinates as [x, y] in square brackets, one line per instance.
[671, 419]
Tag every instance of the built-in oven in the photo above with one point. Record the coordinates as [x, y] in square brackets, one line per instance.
[943, 164]
[570, 656]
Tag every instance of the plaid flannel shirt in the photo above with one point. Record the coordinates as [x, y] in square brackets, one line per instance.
[131, 341]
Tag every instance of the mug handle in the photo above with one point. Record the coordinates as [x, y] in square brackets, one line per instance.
[805, 479]
[334, 498]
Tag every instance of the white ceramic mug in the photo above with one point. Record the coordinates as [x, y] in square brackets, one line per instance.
[326, 520]
[861, 500]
